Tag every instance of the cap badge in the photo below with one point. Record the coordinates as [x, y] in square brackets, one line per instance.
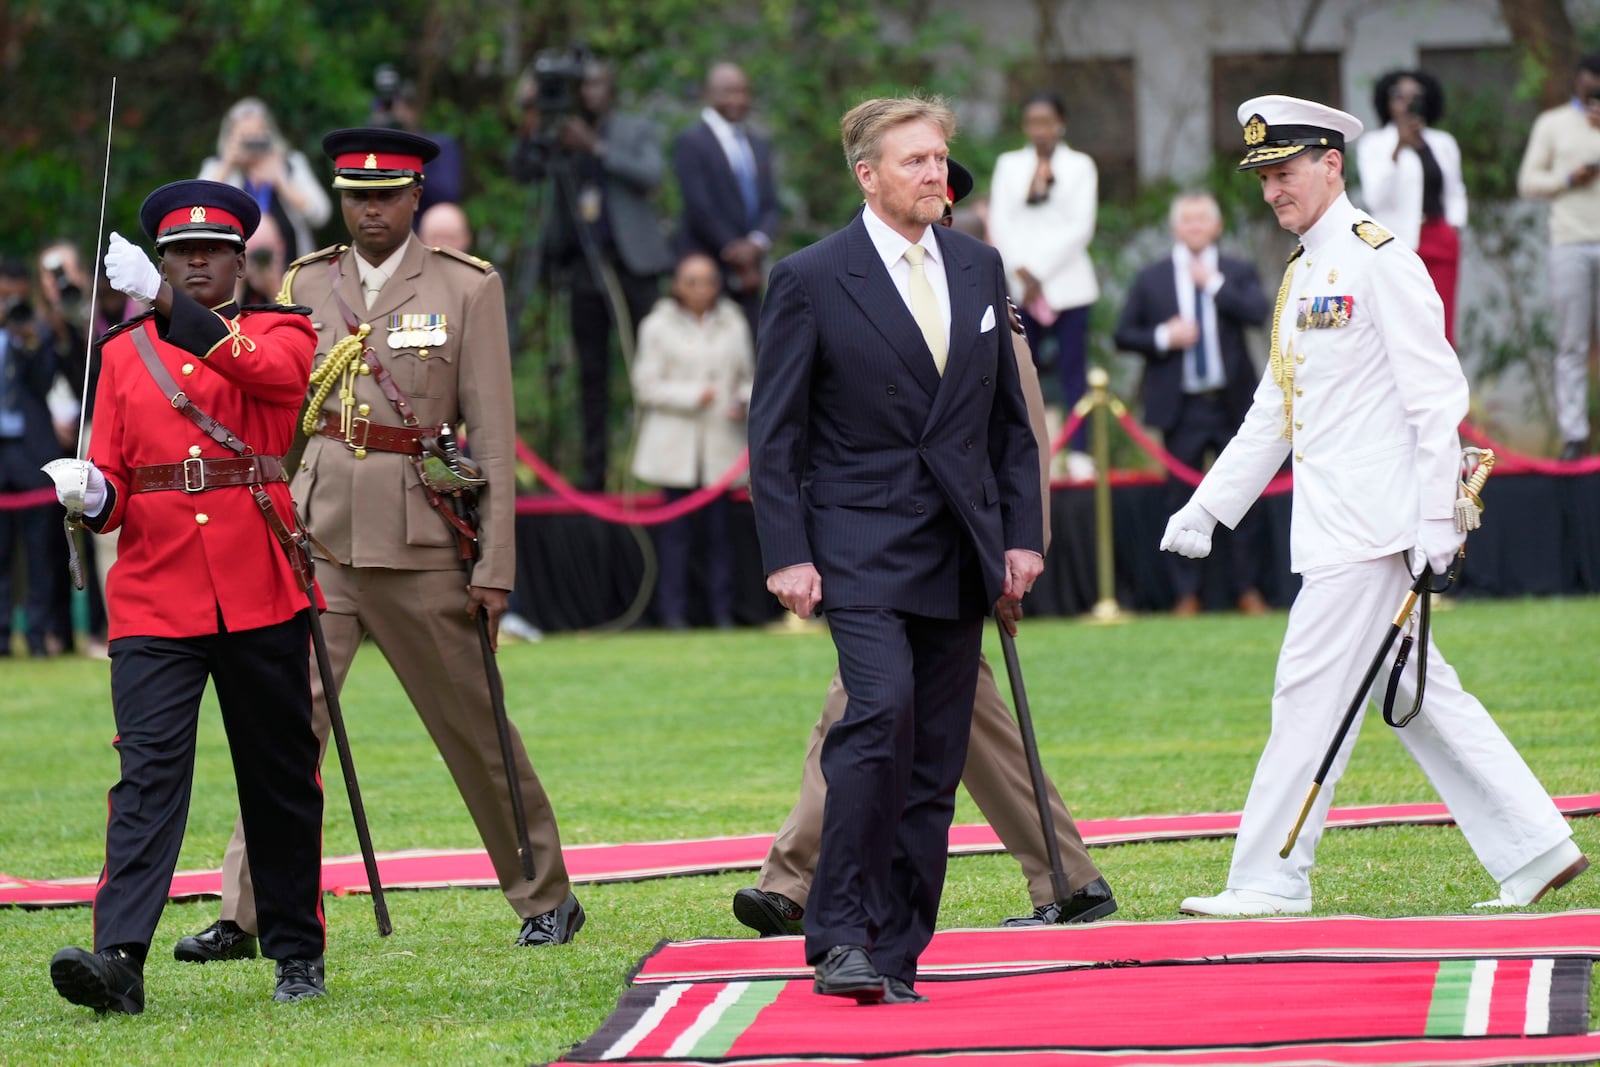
[1255, 131]
[197, 214]
[372, 161]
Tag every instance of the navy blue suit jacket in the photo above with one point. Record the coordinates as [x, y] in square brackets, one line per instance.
[713, 206]
[866, 462]
[1153, 299]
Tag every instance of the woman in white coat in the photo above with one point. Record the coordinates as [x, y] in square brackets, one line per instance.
[1411, 178]
[252, 155]
[691, 383]
[1042, 206]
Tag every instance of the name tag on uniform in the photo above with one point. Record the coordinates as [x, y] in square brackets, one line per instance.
[416, 331]
[1324, 312]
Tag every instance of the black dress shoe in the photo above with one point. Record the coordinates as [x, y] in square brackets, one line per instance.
[768, 914]
[1093, 901]
[298, 980]
[897, 991]
[108, 980]
[222, 940]
[1571, 450]
[555, 927]
[847, 971]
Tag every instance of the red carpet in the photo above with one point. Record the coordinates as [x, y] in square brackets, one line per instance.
[996, 951]
[1290, 991]
[433, 869]
[1476, 1052]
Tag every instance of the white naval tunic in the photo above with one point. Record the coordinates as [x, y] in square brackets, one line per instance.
[1376, 405]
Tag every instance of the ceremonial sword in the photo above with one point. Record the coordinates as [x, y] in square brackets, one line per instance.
[70, 476]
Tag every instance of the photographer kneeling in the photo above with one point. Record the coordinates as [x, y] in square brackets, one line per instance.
[601, 239]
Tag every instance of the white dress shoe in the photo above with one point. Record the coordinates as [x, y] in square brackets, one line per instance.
[1245, 902]
[1537, 877]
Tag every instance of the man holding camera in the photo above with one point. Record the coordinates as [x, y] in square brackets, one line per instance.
[1560, 165]
[27, 442]
[601, 235]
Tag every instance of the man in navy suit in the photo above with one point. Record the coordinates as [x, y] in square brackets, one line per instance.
[1186, 315]
[730, 205]
[896, 484]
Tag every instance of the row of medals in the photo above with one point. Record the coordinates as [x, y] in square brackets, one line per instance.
[416, 331]
[1323, 312]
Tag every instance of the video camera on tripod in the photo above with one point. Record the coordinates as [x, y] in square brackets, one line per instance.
[557, 76]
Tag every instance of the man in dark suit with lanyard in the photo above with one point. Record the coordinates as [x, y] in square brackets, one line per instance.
[730, 205]
[896, 483]
[1186, 315]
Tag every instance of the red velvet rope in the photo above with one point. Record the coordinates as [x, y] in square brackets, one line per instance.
[604, 509]
[1280, 483]
[1509, 462]
[1068, 428]
[32, 498]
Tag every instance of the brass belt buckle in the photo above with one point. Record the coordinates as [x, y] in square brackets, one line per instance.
[194, 483]
[350, 442]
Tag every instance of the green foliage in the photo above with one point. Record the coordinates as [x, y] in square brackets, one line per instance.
[649, 737]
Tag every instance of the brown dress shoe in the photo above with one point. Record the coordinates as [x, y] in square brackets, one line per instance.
[1186, 606]
[1251, 602]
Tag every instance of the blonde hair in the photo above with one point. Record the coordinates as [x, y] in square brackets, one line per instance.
[863, 126]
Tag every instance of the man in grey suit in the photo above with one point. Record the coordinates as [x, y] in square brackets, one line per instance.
[601, 170]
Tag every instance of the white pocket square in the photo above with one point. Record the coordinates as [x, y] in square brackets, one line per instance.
[988, 320]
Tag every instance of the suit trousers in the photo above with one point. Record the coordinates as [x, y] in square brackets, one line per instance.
[1202, 427]
[892, 764]
[593, 321]
[417, 620]
[1575, 292]
[264, 692]
[1335, 626]
[1071, 332]
[674, 541]
[996, 775]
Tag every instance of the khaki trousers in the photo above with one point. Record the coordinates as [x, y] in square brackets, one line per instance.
[996, 774]
[418, 621]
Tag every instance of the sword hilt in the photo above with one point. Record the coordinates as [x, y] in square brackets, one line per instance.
[1305, 810]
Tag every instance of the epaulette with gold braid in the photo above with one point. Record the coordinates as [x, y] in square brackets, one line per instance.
[1372, 233]
[284, 294]
[482, 264]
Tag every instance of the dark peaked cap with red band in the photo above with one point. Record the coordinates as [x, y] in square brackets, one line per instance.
[198, 210]
[958, 182]
[372, 158]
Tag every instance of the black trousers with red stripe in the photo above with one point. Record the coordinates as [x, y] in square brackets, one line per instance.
[263, 684]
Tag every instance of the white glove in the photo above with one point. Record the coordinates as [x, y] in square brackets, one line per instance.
[1438, 541]
[1189, 532]
[68, 474]
[130, 271]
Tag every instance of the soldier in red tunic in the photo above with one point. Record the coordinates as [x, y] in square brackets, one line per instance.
[196, 404]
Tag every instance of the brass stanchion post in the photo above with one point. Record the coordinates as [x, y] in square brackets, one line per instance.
[1106, 608]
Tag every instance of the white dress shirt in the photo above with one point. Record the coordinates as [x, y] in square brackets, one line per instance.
[1216, 375]
[892, 247]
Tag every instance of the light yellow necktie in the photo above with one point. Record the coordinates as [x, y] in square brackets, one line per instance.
[374, 284]
[925, 308]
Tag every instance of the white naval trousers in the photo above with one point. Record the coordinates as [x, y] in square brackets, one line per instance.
[1335, 626]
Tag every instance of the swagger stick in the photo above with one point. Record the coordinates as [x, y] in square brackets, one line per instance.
[1468, 507]
[1030, 747]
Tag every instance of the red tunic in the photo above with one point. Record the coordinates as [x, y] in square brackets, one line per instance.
[183, 556]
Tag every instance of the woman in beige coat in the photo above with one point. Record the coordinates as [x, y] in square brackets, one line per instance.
[691, 383]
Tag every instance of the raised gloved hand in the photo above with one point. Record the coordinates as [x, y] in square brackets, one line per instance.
[1189, 532]
[1438, 541]
[130, 271]
[70, 474]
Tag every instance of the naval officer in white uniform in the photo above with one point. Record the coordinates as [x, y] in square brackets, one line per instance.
[1366, 393]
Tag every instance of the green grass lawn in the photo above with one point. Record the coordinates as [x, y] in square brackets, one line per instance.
[648, 736]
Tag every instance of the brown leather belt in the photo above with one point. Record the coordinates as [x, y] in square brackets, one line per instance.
[366, 435]
[197, 475]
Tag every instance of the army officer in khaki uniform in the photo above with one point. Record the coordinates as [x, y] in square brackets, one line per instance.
[433, 322]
